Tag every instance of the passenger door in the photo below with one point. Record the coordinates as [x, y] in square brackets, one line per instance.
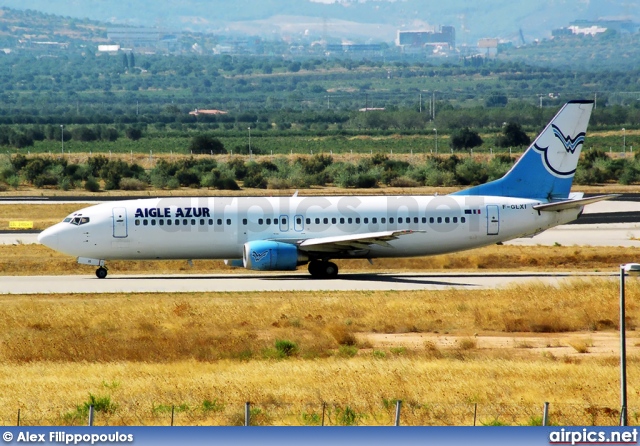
[493, 220]
[119, 222]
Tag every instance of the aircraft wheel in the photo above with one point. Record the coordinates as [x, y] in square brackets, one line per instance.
[101, 272]
[330, 270]
[315, 269]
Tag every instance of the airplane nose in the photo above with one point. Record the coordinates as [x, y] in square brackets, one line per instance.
[49, 238]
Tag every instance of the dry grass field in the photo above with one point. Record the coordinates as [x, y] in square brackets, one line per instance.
[207, 353]
[22, 259]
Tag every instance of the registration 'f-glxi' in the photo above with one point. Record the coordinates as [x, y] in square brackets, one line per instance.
[282, 233]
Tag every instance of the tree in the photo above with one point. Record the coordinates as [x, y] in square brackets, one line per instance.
[133, 133]
[206, 144]
[125, 61]
[513, 136]
[496, 100]
[132, 61]
[465, 139]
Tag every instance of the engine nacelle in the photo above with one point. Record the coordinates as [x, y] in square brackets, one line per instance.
[264, 255]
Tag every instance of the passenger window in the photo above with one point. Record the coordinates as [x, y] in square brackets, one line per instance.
[268, 221]
[260, 221]
[455, 219]
[317, 221]
[211, 222]
[383, 220]
[168, 222]
[284, 221]
[365, 220]
[228, 221]
[137, 222]
[333, 221]
[424, 219]
[325, 221]
[153, 222]
[349, 220]
[357, 220]
[431, 220]
[177, 222]
[399, 219]
[391, 220]
[415, 220]
[439, 219]
[463, 219]
[275, 221]
[341, 220]
[185, 222]
[202, 221]
[298, 221]
[219, 221]
[374, 220]
[446, 219]
[145, 222]
[308, 221]
[244, 221]
[161, 222]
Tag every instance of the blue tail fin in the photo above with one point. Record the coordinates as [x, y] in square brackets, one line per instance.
[546, 169]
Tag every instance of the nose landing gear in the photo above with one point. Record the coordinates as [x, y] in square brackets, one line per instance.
[101, 272]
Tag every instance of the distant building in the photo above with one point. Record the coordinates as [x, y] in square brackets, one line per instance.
[359, 48]
[108, 48]
[144, 38]
[595, 27]
[197, 112]
[412, 40]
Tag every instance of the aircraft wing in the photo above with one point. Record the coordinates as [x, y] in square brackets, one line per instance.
[352, 242]
[571, 204]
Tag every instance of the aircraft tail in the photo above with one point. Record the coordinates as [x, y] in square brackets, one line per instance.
[546, 169]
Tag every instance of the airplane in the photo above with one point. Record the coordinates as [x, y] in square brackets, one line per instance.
[283, 233]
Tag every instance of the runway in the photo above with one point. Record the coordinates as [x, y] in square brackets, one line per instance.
[177, 283]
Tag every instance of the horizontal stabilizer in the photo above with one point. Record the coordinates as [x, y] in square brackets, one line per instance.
[572, 204]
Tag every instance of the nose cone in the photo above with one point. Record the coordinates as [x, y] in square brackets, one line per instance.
[49, 238]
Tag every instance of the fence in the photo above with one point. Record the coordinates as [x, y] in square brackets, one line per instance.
[387, 412]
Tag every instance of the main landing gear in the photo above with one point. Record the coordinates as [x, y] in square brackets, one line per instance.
[101, 272]
[320, 269]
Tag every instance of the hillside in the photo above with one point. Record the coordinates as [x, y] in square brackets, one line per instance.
[472, 20]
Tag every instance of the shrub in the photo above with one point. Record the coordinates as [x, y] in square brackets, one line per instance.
[404, 182]
[278, 183]
[92, 185]
[45, 179]
[132, 184]
[286, 348]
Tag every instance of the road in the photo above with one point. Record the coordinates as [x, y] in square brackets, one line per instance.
[174, 283]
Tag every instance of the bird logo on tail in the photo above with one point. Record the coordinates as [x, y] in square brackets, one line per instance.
[570, 144]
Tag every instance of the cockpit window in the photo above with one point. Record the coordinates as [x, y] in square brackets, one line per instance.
[66, 220]
[76, 221]
[84, 220]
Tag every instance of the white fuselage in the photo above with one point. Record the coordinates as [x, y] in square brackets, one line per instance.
[218, 227]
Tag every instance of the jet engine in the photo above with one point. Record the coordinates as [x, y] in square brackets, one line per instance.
[265, 255]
